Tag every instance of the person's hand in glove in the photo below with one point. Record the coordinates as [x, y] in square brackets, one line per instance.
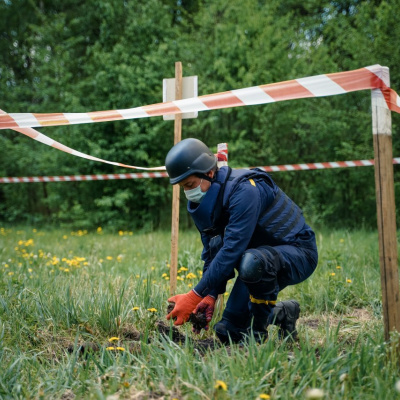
[184, 306]
[205, 307]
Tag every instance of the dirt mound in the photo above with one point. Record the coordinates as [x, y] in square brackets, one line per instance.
[174, 334]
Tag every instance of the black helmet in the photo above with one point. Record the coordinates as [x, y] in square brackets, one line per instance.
[189, 157]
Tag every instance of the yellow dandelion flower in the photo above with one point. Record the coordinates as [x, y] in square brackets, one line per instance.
[125, 384]
[6, 265]
[120, 233]
[264, 396]
[120, 348]
[153, 268]
[332, 274]
[152, 309]
[66, 269]
[167, 278]
[109, 258]
[226, 294]
[11, 273]
[190, 275]
[190, 285]
[110, 348]
[341, 240]
[338, 267]
[30, 269]
[113, 339]
[221, 385]
[137, 276]
[348, 280]
[135, 308]
[183, 268]
[164, 275]
[99, 229]
[65, 237]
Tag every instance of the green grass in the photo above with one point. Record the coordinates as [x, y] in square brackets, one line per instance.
[60, 290]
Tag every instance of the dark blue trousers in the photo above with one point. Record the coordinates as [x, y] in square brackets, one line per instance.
[296, 265]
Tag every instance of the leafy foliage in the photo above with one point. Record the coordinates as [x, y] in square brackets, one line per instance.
[84, 56]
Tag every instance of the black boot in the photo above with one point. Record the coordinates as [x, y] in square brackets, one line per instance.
[285, 315]
[227, 331]
[262, 314]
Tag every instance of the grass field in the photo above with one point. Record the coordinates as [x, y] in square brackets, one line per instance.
[79, 316]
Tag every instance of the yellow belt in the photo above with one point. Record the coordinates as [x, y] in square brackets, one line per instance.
[259, 301]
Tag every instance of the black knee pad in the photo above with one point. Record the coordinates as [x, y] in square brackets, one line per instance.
[258, 269]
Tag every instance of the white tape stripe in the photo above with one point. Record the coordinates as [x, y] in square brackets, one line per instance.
[304, 166]
[78, 118]
[44, 139]
[321, 85]
[190, 105]
[24, 120]
[253, 95]
[334, 165]
[129, 113]
[375, 69]
[367, 163]
[289, 167]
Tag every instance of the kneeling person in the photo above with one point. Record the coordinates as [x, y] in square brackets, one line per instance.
[247, 223]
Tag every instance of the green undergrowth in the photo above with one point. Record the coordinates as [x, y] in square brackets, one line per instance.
[79, 315]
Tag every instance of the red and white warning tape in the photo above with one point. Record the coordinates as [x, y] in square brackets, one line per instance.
[273, 168]
[372, 77]
[71, 178]
[315, 86]
[34, 134]
[323, 165]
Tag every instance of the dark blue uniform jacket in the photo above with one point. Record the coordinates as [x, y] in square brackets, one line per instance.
[255, 212]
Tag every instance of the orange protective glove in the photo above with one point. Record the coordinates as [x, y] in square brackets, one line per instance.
[206, 307]
[184, 306]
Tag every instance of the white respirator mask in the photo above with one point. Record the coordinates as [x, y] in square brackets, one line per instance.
[195, 195]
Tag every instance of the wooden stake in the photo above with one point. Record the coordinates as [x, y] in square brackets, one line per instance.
[176, 188]
[386, 209]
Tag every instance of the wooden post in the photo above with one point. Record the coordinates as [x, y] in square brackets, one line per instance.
[386, 209]
[176, 188]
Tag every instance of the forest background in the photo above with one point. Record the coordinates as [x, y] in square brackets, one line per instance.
[74, 56]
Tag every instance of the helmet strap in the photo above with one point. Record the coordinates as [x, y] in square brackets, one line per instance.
[205, 177]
